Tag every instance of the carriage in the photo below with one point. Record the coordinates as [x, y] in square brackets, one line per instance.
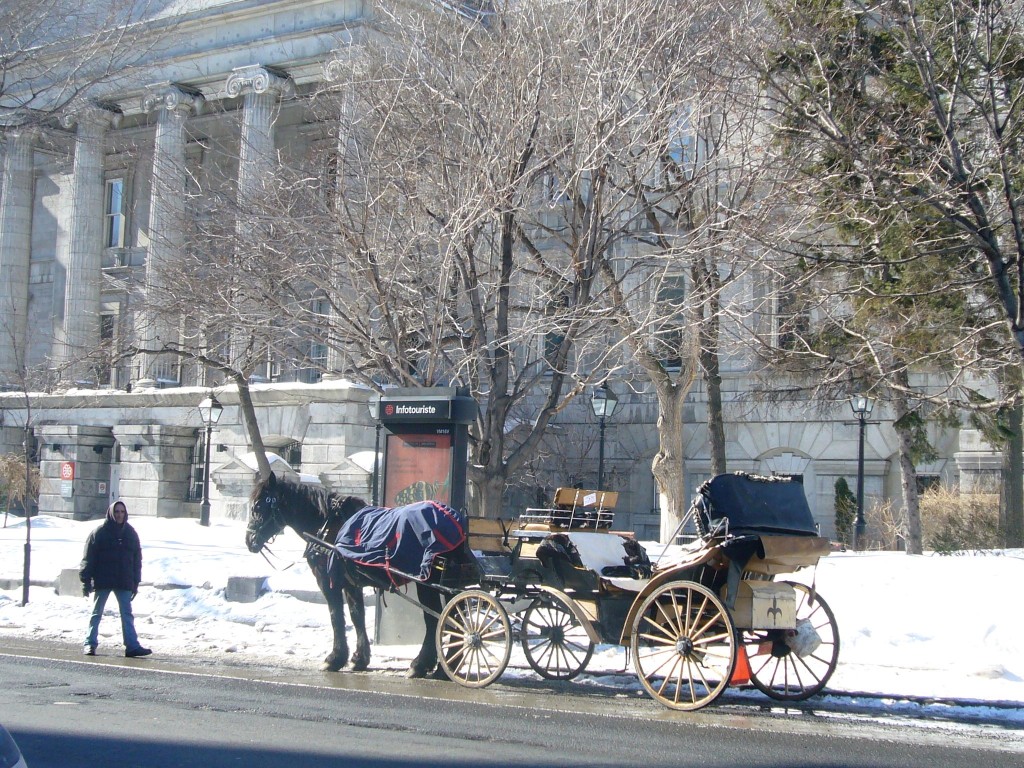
[709, 615]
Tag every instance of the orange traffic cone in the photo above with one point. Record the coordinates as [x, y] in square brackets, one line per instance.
[741, 672]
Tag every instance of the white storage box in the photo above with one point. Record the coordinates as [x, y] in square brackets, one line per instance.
[764, 605]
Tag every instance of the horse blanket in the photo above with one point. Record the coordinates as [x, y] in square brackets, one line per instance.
[406, 538]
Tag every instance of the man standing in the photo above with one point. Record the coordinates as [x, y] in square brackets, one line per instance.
[113, 563]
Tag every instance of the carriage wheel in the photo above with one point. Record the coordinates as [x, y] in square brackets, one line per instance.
[553, 639]
[786, 674]
[474, 639]
[684, 645]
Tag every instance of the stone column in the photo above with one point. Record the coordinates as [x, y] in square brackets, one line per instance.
[81, 325]
[261, 88]
[173, 104]
[339, 72]
[15, 253]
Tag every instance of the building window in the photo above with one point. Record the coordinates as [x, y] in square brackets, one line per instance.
[292, 453]
[792, 322]
[681, 142]
[668, 337]
[103, 368]
[197, 460]
[114, 224]
[40, 272]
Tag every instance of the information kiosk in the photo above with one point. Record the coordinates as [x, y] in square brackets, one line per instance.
[426, 448]
[426, 444]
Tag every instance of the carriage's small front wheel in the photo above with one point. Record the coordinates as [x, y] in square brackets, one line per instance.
[555, 642]
[792, 665]
[684, 645]
[474, 639]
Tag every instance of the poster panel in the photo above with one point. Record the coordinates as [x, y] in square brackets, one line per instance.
[418, 468]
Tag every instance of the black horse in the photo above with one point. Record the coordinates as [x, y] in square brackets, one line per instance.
[276, 504]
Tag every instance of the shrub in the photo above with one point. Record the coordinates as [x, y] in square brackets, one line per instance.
[846, 511]
[886, 526]
[953, 521]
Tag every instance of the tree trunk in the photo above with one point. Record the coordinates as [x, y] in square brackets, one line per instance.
[252, 427]
[908, 471]
[488, 494]
[706, 282]
[716, 423]
[1011, 507]
[669, 464]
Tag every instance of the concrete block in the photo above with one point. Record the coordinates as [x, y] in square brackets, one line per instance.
[399, 622]
[68, 584]
[245, 589]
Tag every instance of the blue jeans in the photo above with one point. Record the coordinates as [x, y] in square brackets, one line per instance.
[124, 606]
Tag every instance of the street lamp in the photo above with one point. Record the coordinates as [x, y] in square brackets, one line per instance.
[603, 402]
[373, 406]
[210, 409]
[861, 406]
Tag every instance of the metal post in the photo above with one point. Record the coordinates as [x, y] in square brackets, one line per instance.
[204, 508]
[376, 465]
[861, 525]
[600, 458]
[26, 505]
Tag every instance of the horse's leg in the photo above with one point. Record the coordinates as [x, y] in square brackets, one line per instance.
[357, 610]
[426, 660]
[333, 594]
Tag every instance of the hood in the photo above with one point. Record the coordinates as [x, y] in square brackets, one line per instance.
[110, 512]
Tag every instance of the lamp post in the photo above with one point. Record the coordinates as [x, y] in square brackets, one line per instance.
[210, 409]
[373, 406]
[603, 402]
[861, 406]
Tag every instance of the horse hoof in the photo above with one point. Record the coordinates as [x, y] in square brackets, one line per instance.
[418, 671]
[440, 674]
[331, 666]
[360, 665]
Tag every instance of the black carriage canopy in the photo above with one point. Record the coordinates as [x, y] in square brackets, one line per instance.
[755, 505]
[405, 539]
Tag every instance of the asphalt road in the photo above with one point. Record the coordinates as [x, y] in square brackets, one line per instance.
[65, 710]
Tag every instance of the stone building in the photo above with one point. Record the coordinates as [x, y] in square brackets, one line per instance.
[97, 196]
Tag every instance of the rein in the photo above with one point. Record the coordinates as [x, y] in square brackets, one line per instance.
[264, 550]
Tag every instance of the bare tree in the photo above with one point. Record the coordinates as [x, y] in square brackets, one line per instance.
[54, 52]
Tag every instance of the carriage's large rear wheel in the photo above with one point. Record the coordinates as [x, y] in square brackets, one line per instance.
[792, 665]
[474, 639]
[684, 645]
[555, 642]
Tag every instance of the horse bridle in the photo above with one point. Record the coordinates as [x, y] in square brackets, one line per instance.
[272, 516]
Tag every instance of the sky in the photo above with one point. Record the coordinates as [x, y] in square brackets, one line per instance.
[909, 626]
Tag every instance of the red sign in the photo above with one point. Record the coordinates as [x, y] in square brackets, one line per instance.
[418, 468]
[67, 470]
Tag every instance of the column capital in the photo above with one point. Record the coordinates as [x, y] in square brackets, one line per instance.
[172, 97]
[345, 63]
[21, 134]
[258, 79]
[92, 114]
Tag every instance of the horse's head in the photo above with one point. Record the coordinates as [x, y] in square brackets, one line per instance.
[265, 518]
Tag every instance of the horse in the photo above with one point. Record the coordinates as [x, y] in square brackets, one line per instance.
[277, 503]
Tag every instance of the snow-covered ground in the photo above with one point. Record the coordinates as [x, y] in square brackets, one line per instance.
[932, 626]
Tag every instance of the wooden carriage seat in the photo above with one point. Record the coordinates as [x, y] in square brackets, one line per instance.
[572, 509]
[573, 498]
[487, 535]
